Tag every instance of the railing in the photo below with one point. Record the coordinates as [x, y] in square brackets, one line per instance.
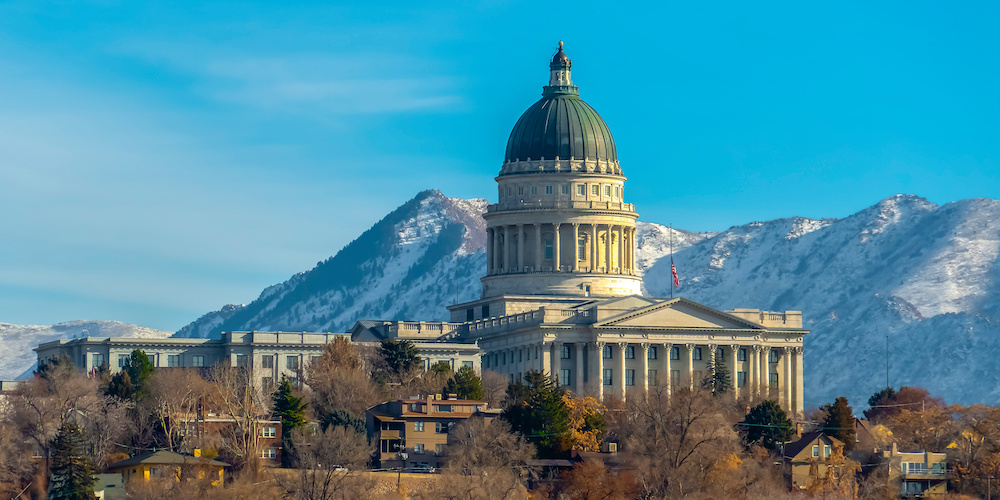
[404, 328]
[504, 322]
[535, 205]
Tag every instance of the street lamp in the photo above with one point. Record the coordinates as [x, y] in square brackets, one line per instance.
[402, 458]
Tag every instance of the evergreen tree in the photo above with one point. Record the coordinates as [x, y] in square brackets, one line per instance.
[839, 422]
[400, 356]
[719, 381]
[131, 381]
[341, 418]
[466, 384]
[880, 404]
[291, 410]
[72, 472]
[767, 425]
[535, 408]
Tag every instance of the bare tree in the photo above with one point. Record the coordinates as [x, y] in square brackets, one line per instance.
[106, 427]
[331, 465]
[174, 394]
[340, 380]
[484, 460]
[244, 402]
[495, 387]
[15, 470]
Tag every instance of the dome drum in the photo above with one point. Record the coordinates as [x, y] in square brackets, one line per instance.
[571, 165]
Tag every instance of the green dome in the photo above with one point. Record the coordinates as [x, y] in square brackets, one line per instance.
[562, 125]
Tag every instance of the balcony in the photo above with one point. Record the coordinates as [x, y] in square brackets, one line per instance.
[561, 204]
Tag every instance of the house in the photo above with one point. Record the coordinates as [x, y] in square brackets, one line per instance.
[418, 428]
[918, 474]
[808, 459]
[162, 464]
[108, 486]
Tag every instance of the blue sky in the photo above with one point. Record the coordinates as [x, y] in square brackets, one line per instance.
[159, 160]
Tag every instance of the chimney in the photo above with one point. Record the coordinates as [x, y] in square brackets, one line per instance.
[427, 406]
[452, 397]
[196, 452]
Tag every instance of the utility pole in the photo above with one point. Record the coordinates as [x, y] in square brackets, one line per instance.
[887, 361]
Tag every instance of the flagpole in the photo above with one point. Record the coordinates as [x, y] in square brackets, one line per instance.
[671, 261]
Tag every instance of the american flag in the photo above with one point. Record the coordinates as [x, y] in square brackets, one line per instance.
[673, 272]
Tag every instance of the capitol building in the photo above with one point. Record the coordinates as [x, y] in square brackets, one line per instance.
[561, 292]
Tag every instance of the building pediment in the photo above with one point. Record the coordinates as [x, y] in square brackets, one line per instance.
[678, 313]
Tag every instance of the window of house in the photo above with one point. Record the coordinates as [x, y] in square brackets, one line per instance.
[418, 449]
[772, 356]
[741, 354]
[467, 363]
[564, 376]
[772, 379]
[439, 449]
[651, 377]
[629, 377]
[197, 360]
[720, 354]
[443, 427]
[548, 189]
[630, 352]
[534, 189]
[815, 451]
[826, 451]
[607, 376]
[269, 431]
[443, 408]
[548, 249]
[595, 189]
[241, 359]
[271, 453]
[581, 190]
[173, 360]
[651, 353]
[98, 360]
[292, 362]
[267, 361]
[565, 189]
[418, 426]
[606, 352]
[607, 191]
[122, 360]
[741, 379]
[696, 355]
[564, 352]
[675, 353]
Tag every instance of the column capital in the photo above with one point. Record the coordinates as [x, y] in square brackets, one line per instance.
[690, 346]
[788, 349]
[645, 345]
[598, 344]
[623, 345]
[734, 347]
[713, 347]
[798, 350]
[757, 348]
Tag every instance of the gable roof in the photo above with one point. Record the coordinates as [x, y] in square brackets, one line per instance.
[794, 448]
[680, 304]
[166, 457]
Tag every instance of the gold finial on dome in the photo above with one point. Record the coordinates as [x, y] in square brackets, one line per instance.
[560, 44]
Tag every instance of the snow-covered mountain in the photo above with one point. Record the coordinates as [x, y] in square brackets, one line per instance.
[17, 358]
[923, 274]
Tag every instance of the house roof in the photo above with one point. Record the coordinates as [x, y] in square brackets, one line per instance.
[166, 457]
[794, 448]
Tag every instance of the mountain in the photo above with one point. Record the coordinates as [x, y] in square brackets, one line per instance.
[923, 274]
[17, 358]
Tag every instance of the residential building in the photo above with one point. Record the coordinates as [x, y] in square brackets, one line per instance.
[167, 464]
[418, 427]
[919, 474]
[808, 458]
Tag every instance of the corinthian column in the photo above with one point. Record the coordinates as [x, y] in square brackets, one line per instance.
[621, 369]
[555, 248]
[607, 250]
[539, 256]
[576, 247]
[506, 248]
[593, 250]
[599, 361]
[786, 384]
[621, 249]
[489, 250]
[645, 367]
[520, 247]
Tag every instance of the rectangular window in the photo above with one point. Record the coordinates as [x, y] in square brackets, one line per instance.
[269, 432]
[629, 377]
[607, 191]
[503, 358]
[439, 449]
[520, 355]
[581, 190]
[508, 191]
[630, 352]
[616, 191]
[564, 352]
[675, 378]
[443, 408]
[720, 354]
[467, 363]
[651, 377]
[548, 189]
[271, 453]
[772, 379]
[241, 360]
[511, 378]
[173, 360]
[606, 352]
[292, 362]
[772, 356]
[826, 451]
[443, 427]
[197, 360]
[607, 376]
[520, 190]
[418, 426]
[486, 311]
[595, 189]
[565, 189]
[98, 360]
[418, 449]
[581, 248]
[741, 354]
[741, 379]
[122, 360]
[675, 353]
[697, 375]
[565, 377]
[470, 314]
[696, 355]
[548, 249]
[267, 362]
[534, 189]
[651, 353]
[815, 451]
